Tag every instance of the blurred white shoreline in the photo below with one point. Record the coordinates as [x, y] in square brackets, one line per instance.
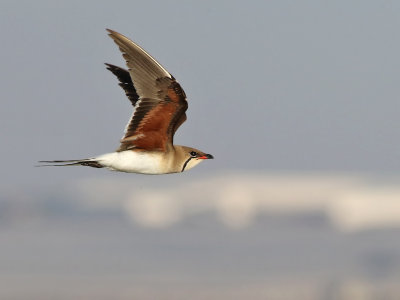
[351, 202]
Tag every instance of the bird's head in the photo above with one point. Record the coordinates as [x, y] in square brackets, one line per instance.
[190, 157]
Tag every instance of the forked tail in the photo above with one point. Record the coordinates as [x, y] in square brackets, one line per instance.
[76, 162]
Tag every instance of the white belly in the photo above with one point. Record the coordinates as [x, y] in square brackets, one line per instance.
[133, 162]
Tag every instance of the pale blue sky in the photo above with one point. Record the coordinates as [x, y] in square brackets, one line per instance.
[272, 85]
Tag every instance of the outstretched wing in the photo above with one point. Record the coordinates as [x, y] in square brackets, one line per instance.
[160, 102]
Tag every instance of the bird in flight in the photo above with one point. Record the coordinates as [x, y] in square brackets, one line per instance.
[159, 109]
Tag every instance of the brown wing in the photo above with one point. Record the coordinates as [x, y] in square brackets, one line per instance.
[162, 103]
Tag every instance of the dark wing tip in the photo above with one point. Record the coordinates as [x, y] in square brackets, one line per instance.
[110, 67]
[125, 82]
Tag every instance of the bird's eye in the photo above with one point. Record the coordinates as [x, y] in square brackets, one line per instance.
[193, 154]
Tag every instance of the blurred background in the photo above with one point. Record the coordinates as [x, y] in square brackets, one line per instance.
[297, 100]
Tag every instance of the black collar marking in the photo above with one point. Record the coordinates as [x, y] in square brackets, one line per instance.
[186, 162]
